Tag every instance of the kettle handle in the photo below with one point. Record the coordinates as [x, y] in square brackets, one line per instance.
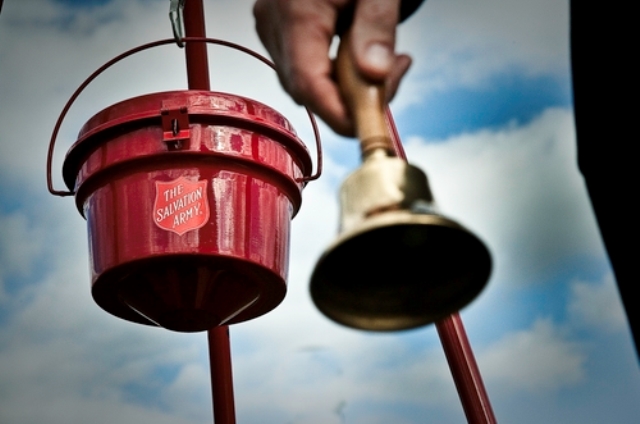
[147, 46]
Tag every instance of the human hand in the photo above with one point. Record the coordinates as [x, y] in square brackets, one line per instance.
[298, 35]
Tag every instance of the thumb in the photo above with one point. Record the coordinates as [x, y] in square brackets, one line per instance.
[373, 36]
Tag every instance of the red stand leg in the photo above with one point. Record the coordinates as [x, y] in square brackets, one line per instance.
[464, 370]
[455, 343]
[221, 376]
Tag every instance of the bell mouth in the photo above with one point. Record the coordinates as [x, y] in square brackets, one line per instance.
[398, 271]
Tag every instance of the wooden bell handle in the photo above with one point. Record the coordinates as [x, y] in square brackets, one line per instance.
[366, 102]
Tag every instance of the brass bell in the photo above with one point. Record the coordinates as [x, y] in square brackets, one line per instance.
[397, 263]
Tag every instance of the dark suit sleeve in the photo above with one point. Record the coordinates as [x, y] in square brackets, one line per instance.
[603, 72]
[407, 7]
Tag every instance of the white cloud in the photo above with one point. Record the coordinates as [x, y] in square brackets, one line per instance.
[345, 368]
[293, 362]
[44, 64]
[537, 359]
[597, 304]
[57, 348]
[60, 408]
[63, 360]
[189, 392]
[59, 375]
[60, 351]
[20, 243]
[484, 45]
[457, 43]
[519, 188]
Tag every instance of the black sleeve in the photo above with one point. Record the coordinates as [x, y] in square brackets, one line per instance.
[603, 71]
[407, 7]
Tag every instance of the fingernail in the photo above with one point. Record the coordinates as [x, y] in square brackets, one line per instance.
[379, 56]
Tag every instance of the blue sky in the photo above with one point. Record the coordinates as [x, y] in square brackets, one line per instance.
[485, 111]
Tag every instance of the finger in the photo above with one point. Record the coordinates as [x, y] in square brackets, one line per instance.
[298, 35]
[266, 13]
[400, 67]
[308, 76]
[323, 98]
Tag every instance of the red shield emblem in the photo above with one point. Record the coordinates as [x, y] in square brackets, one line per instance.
[181, 205]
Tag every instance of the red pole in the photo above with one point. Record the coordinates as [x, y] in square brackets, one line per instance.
[455, 344]
[464, 370]
[218, 337]
[196, 53]
[221, 376]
